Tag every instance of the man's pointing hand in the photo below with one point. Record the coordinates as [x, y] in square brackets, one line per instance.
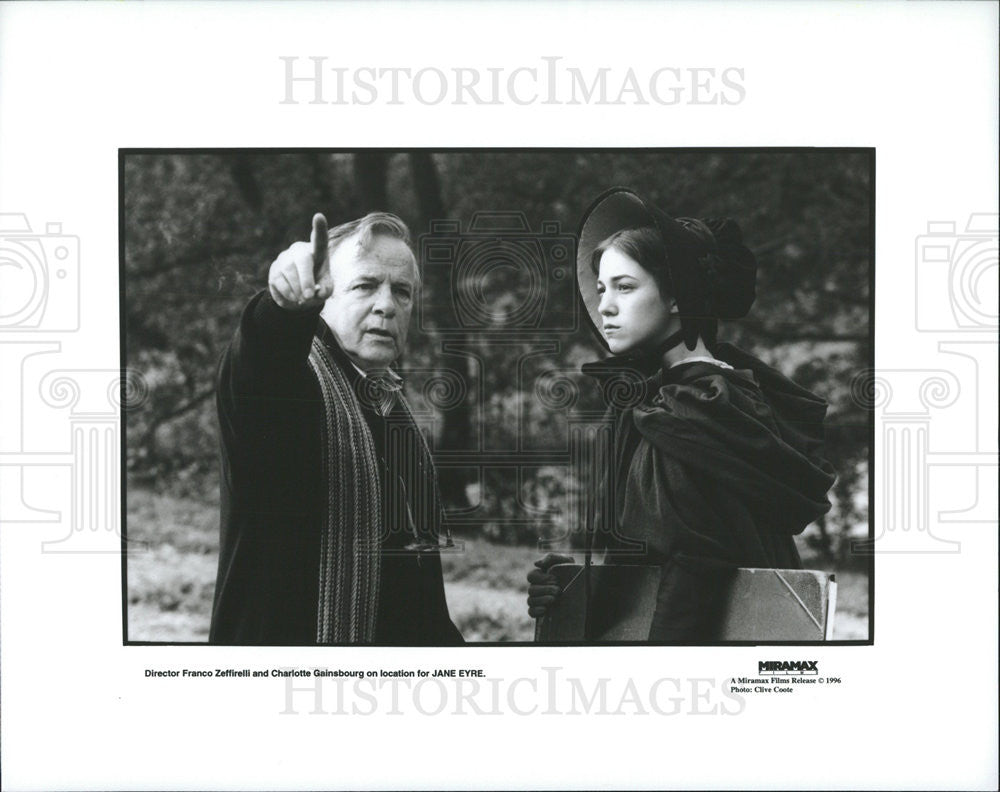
[299, 278]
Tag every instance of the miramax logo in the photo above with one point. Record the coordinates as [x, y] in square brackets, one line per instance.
[787, 667]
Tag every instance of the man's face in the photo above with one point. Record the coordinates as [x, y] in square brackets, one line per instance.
[373, 293]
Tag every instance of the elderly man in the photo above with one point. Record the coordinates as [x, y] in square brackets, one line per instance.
[330, 508]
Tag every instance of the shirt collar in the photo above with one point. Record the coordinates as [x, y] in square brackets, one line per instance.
[327, 337]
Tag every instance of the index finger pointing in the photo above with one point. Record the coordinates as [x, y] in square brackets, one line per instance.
[319, 240]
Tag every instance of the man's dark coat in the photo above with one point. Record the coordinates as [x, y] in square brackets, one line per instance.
[272, 494]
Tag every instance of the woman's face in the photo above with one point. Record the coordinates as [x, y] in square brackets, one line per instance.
[633, 313]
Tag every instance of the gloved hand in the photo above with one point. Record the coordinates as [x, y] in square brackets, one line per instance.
[542, 586]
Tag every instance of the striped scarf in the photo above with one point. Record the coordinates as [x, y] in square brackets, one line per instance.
[350, 559]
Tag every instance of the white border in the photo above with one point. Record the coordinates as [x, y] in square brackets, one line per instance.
[917, 81]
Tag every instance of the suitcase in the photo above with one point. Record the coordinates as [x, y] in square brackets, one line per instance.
[762, 605]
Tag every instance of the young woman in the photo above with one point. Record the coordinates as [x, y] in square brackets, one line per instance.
[716, 458]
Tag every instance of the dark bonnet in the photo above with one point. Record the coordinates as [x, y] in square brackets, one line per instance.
[712, 274]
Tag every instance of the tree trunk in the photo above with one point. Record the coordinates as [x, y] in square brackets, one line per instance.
[457, 422]
[243, 170]
[370, 179]
[318, 168]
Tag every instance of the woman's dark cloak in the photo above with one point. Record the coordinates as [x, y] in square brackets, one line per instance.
[713, 469]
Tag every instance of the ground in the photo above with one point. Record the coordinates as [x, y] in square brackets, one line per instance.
[172, 565]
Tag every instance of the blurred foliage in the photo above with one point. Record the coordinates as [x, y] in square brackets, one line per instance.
[202, 229]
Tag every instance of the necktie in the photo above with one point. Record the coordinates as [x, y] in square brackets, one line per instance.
[380, 390]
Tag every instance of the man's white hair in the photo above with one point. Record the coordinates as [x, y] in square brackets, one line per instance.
[367, 228]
